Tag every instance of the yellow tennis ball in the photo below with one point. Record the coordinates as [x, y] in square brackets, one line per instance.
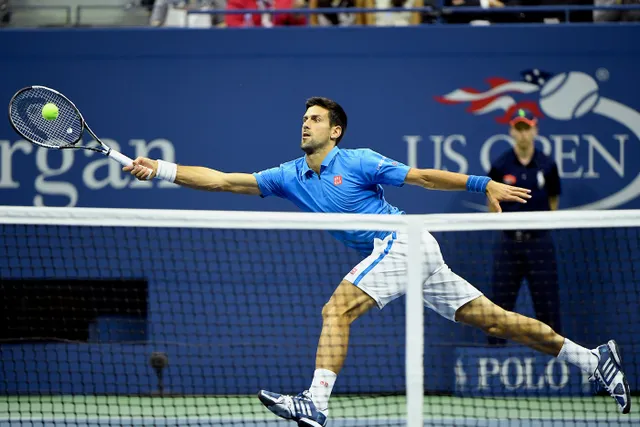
[50, 111]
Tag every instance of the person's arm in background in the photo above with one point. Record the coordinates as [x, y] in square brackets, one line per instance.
[361, 18]
[416, 17]
[313, 19]
[605, 15]
[554, 188]
[369, 18]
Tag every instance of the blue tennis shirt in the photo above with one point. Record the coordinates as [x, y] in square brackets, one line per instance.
[350, 181]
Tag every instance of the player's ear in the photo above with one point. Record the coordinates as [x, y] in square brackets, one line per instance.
[336, 131]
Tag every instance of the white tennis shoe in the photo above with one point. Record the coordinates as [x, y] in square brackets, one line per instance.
[298, 408]
[609, 374]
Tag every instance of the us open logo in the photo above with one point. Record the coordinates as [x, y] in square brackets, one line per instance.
[563, 97]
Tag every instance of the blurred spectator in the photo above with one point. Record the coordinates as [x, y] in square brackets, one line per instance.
[266, 20]
[5, 13]
[159, 12]
[519, 17]
[339, 19]
[482, 3]
[464, 18]
[616, 15]
[393, 19]
[147, 4]
[170, 13]
[554, 17]
[527, 254]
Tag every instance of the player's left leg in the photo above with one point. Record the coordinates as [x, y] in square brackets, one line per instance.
[363, 288]
[347, 304]
[603, 363]
[310, 408]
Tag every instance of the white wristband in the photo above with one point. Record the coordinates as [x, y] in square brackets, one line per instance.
[166, 171]
[484, 4]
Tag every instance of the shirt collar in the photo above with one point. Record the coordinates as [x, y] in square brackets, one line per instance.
[307, 171]
[327, 160]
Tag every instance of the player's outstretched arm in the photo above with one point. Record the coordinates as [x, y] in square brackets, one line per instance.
[496, 192]
[197, 177]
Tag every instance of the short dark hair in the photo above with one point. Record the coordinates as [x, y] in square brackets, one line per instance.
[337, 116]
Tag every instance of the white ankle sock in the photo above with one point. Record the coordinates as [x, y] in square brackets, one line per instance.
[321, 387]
[577, 355]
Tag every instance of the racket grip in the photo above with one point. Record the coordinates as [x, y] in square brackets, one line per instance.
[120, 158]
[123, 160]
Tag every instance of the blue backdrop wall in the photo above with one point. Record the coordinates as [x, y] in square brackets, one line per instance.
[233, 100]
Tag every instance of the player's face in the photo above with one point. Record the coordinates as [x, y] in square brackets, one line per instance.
[317, 132]
[523, 135]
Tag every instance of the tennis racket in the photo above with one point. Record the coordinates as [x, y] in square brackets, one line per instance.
[25, 115]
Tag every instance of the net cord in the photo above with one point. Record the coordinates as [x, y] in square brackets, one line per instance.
[77, 216]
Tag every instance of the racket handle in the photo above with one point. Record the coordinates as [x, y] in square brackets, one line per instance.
[120, 158]
[123, 160]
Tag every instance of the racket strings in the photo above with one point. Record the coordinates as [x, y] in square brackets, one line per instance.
[26, 115]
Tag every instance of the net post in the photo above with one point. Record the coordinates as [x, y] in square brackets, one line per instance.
[414, 325]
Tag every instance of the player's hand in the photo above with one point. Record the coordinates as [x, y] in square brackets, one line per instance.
[143, 168]
[497, 192]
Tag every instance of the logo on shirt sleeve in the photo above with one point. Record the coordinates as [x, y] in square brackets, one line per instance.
[337, 180]
[381, 163]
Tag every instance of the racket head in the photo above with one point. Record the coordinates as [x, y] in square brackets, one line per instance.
[25, 116]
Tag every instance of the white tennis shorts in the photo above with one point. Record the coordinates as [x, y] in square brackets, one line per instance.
[383, 275]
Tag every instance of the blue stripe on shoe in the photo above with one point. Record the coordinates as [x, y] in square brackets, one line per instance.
[380, 258]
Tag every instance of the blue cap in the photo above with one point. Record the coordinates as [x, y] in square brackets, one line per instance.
[524, 116]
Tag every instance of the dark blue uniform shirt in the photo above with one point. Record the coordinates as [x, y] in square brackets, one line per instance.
[540, 176]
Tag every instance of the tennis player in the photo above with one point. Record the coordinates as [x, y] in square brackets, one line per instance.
[330, 179]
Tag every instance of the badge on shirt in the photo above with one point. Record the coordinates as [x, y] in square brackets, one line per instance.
[337, 180]
[540, 177]
[509, 179]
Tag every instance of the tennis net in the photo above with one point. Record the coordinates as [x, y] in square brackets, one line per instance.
[153, 317]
